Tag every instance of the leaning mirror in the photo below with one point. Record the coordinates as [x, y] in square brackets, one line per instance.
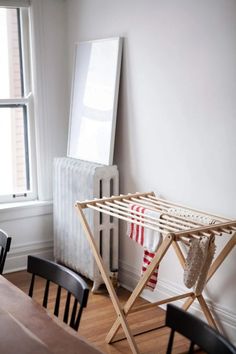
[94, 100]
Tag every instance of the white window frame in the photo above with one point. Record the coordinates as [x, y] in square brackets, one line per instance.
[24, 101]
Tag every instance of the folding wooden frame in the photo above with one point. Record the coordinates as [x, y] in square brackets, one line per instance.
[175, 229]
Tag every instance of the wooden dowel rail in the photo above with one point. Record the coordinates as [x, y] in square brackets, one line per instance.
[163, 205]
[218, 227]
[161, 302]
[146, 216]
[197, 224]
[171, 221]
[127, 206]
[149, 205]
[86, 203]
[220, 218]
[126, 203]
[185, 241]
[139, 217]
[200, 213]
[181, 220]
[189, 223]
[139, 202]
[142, 220]
[127, 219]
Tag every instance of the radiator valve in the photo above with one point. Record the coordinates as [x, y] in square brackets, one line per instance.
[114, 279]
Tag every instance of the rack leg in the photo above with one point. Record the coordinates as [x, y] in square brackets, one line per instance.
[179, 253]
[181, 258]
[141, 284]
[206, 311]
[221, 257]
[188, 302]
[115, 301]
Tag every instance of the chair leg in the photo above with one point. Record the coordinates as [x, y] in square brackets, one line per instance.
[170, 342]
[31, 285]
[191, 348]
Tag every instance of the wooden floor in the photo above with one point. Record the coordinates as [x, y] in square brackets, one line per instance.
[99, 316]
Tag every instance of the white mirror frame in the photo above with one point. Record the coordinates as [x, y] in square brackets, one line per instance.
[94, 100]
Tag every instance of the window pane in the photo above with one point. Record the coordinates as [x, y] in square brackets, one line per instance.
[13, 151]
[11, 84]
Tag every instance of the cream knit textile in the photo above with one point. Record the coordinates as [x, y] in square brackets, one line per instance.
[200, 254]
[198, 261]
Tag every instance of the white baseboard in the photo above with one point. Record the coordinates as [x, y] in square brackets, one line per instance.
[224, 317]
[17, 257]
[128, 275]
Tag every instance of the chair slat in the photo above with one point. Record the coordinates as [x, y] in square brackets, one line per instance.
[73, 315]
[45, 298]
[57, 303]
[67, 308]
[77, 322]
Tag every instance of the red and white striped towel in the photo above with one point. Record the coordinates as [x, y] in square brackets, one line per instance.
[147, 258]
[147, 238]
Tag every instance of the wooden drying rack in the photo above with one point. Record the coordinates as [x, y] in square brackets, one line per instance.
[173, 229]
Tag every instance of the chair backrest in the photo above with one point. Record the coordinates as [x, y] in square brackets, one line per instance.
[5, 243]
[197, 331]
[64, 278]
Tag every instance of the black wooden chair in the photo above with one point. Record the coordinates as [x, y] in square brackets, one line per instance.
[64, 278]
[197, 331]
[5, 243]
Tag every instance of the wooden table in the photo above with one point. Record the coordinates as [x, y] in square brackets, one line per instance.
[26, 328]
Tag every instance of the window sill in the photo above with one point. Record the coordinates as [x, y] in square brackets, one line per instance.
[21, 210]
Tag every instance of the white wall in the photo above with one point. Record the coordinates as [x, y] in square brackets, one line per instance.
[30, 228]
[176, 121]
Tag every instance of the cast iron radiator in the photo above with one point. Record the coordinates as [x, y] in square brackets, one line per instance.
[80, 180]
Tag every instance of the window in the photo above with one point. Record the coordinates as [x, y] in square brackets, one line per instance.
[16, 118]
